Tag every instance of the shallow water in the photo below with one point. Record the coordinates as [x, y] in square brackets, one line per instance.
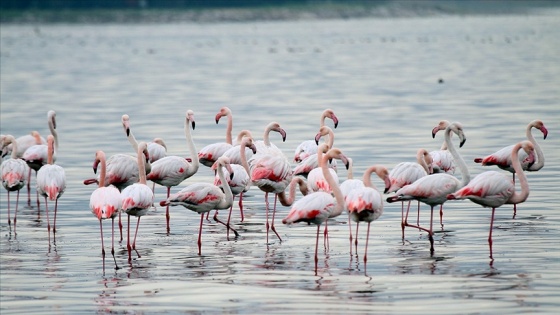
[381, 79]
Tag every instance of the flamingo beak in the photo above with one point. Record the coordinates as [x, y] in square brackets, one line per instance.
[544, 131]
[434, 131]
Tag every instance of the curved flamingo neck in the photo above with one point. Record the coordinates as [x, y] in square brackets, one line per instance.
[242, 134]
[228, 200]
[266, 135]
[193, 167]
[379, 170]
[421, 157]
[540, 155]
[465, 175]
[245, 143]
[229, 127]
[52, 128]
[141, 157]
[9, 139]
[333, 184]
[521, 196]
[350, 169]
[100, 158]
[287, 201]
[128, 131]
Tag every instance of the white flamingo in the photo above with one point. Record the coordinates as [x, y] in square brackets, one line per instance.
[210, 153]
[14, 175]
[309, 147]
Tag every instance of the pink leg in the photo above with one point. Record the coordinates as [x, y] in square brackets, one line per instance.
[431, 237]
[200, 234]
[29, 188]
[102, 246]
[350, 230]
[440, 214]
[490, 234]
[15, 213]
[135, 234]
[418, 215]
[167, 216]
[120, 226]
[128, 247]
[225, 224]
[317, 249]
[266, 206]
[112, 243]
[9, 219]
[55, 209]
[48, 220]
[356, 240]
[326, 234]
[367, 241]
[402, 219]
[241, 206]
[273, 214]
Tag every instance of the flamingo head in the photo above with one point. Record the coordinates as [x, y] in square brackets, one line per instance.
[457, 128]
[529, 148]
[332, 116]
[126, 124]
[276, 127]
[540, 125]
[223, 161]
[441, 126]
[224, 111]
[190, 119]
[52, 118]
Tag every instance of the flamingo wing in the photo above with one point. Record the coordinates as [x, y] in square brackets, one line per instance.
[313, 208]
[210, 153]
[199, 197]
[51, 181]
[105, 202]
[14, 174]
[137, 199]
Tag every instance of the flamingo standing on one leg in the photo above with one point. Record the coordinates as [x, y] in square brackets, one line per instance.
[51, 182]
[433, 190]
[502, 158]
[316, 207]
[406, 173]
[204, 197]
[137, 198]
[240, 181]
[105, 202]
[14, 175]
[173, 170]
[270, 171]
[365, 204]
[493, 189]
[308, 147]
[210, 153]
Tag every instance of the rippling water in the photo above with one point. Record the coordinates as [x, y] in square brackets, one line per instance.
[381, 79]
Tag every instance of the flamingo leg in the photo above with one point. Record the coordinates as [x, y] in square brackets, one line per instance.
[112, 243]
[273, 214]
[440, 214]
[225, 224]
[402, 219]
[120, 226]
[317, 248]
[350, 230]
[102, 246]
[241, 206]
[15, 212]
[490, 233]
[418, 215]
[200, 234]
[9, 219]
[326, 234]
[29, 188]
[266, 206]
[128, 247]
[356, 240]
[167, 216]
[367, 241]
[48, 220]
[135, 234]
[54, 221]
[431, 237]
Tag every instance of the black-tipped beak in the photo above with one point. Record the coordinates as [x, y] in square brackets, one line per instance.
[231, 176]
[193, 125]
[217, 121]
[462, 142]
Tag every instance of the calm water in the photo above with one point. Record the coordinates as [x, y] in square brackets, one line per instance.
[381, 79]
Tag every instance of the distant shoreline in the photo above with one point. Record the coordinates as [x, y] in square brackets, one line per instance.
[387, 9]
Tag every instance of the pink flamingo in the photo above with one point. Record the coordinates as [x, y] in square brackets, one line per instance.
[51, 182]
[204, 197]
[502, 158]
[346, 187]
[105, 202]
[138, 197]
[406, 173]
[172, 170]
[23, 143]
[316, 181]
[442, 159]
[210, 153]
[316, 207]
[493, 189]
[270, 171]
[365, 204]
[36, 155]
[14, 171]
[311, 161]
[308, 147]
[240, 181]
[433, 190]
[156, 148]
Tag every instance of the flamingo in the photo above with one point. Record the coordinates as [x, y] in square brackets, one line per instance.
[36, 155]
[502, 158]
[316, 181]
[406, 173]
[316, 207]
[240, 181]
[204, 197]
[138, 197]
[433, 190]
[172, 170]
[346, 187]
[23, 143]
[14, 171]
[105, 202]
[494, 189]
[442, 159]
[156, 148]
[51, 182]
[365, 204]
[311, 161]
[309, 147]
[270, 171]
[210, 153]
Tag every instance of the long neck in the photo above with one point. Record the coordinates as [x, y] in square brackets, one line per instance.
[243, 156]
[350, 169]
[333, 184]
[50, 150]
[228, 200]
[287, 201]
[52, 128]
[540, 155]
[367, 177]
[141, 165]
[132, 140]
[229, 128]
[103, 162]
[522, 196]
[421, 159]
[12, 140]
[193, 168]
[266, 136]
[465, 175]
